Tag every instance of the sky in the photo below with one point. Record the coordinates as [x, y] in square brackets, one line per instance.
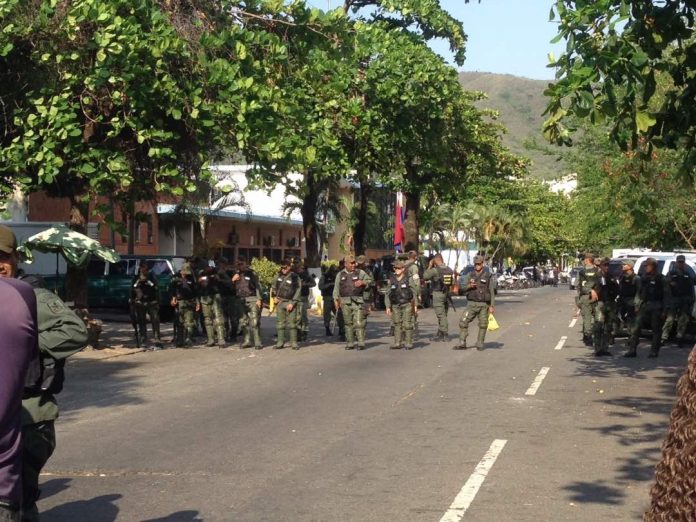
[505, 36]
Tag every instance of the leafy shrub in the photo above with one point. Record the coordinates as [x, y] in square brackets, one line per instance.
[266, 270]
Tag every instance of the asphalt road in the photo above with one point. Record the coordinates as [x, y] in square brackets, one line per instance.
[324, 434]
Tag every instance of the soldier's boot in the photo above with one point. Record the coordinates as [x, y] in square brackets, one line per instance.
[211, 336]
[256, 335]
[480, 339]
[246, 342]
[293, 339]
[349, 338]
[391, 330]
[220, 330]
[463, 334]
[439, 336]
[396, 344]
[408, 339]
[280, 339]
[360, 334]
[328, 332]
[632, 351]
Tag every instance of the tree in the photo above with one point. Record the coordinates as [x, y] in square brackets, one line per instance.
[629, 62]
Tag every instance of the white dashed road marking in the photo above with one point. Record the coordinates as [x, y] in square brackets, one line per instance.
[572, 323]
[561, 343]
[467, 494]
[537, 382]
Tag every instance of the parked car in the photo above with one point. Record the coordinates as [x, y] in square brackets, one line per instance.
[109, 284]
[573, 277]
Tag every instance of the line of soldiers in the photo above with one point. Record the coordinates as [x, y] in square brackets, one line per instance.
[661, 301]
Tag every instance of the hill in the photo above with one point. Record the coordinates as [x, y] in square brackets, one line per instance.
[520, 102]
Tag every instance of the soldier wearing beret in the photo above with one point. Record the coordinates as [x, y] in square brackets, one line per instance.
[479, 288]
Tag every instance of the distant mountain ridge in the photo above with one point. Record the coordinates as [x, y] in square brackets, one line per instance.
[520, 102]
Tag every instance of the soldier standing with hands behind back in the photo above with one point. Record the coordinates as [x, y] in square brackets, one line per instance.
[586, 301]
[248, 291]
[286, 291]
[479, 289]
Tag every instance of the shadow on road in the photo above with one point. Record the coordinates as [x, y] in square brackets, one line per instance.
[179, 516]
[100, 385]
[100, 508]
[629, 429]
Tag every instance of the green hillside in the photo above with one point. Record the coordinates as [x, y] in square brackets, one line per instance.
[520, 102]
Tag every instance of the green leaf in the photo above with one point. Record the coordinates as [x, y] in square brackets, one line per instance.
[644, 121]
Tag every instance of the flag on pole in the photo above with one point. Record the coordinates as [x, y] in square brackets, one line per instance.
[399, 221]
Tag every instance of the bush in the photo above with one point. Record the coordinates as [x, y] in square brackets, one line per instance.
[326, 264]
[266, 270]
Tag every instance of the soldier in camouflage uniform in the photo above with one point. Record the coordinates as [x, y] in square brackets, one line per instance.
[606, 293]
[400, 302]
[307, 282]
[286, 295]
[184, 298]
[629, 288]
[248, 291]
[441, 278]
[479, 288]
[586, 301]
[231, 305]
[211, 304]
[650, 302]
[145, 297]
[368, 291]
[61, 334]
[348, 295]
[681, 300]
[326, 286]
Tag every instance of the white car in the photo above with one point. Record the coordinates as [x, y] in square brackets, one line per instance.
[665, 263]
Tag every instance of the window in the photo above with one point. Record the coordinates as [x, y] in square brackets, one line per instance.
[158, 267]
[95, 268]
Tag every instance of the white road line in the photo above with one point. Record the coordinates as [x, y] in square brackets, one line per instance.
[561, 343]
[468, 492]
[572, 323]
[537, 382]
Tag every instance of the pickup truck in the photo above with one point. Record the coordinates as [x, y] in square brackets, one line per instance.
[109, 284]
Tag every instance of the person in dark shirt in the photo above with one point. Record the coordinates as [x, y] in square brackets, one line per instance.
[18, 353]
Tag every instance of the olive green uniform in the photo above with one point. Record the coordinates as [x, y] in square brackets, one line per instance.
[61, 334]
[586, 282]
[230, 303]
[401, 300]
[211, 305]
[441, 279]
[326, 286]
[287, 289]
[307, 282]
[145, 299]
[248, 292]
[350, 299]
[650, 304]
[368, 295]
[479, 298]
[605, 312]
[629, 288]
[680, 304]
[183, 289]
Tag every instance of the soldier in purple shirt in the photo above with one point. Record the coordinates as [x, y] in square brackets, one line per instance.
[18, 353]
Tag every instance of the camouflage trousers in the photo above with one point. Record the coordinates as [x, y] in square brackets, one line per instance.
[402, 320]
[587, 310]
[302, 315]
[250, 321]
[38, 442]
[440, 308]
[286, 320]
[213, 318]
[679, 313]
[603, 325]
[354, 320]
[232, 308]
[474, 310]
[185, 322]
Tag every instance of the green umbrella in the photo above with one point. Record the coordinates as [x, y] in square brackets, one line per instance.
[76, 248]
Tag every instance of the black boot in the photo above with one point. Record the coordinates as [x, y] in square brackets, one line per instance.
[328, 332]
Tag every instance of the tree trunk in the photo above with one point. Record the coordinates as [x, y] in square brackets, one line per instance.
[131, 230]
[309, 222]
[360, 229]
[411, 222]
[76, 277]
